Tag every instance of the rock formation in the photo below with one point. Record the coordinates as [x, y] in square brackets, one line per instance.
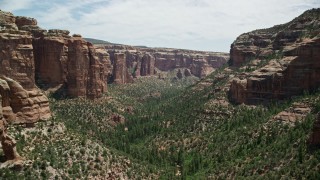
[120, 71]
[51, 59]
[141, 61]
[104, 58]
[297, 112]
[179, 74]
[31, 56]
[22, 101]
[74, 65]
[21, 105]
[147, 65]
[8, 144]
[285, 60]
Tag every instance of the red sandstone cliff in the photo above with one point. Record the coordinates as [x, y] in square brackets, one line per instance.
[31, 56]
[51, 59]
[146, 61]
[280, 62]
[22, 101]
[74, 64]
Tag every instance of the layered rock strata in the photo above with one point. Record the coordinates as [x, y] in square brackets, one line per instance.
[74, 65]
[285, 60]
[120, 70]
[22, 101]
[51, 59]
[147, 61]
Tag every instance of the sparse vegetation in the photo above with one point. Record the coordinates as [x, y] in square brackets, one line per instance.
[171, 128]
[171, 132]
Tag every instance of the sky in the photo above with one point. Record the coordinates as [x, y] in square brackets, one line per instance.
[210, 25]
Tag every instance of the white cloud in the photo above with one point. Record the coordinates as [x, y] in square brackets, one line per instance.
[12, 5]
[194, 24]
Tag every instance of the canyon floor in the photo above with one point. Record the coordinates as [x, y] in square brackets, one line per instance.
[170, 129]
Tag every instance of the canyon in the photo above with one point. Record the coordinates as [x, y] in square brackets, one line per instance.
[36, 62]
[258, 105]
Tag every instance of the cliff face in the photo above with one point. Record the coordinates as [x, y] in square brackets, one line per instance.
[22, 101]
[147, 61]
[285, 60]
[51, 59]
[120, 73]
[147, 65]
[74, 65]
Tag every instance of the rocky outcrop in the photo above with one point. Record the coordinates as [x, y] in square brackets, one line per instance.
[50, 52]
[53, 60]
[8, 143]
[296, 113]
[179, 74]
[21, 105]
[199, 63]
[264, 43]
[291, 61]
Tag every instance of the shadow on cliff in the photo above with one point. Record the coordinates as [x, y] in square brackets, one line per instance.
[59, 94]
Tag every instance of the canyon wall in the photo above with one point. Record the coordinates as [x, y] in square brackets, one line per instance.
[279, 62]
[69, 63]
[120, 71]
[50, 59]
[22, 101]
[141, 61]
[31, 57]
